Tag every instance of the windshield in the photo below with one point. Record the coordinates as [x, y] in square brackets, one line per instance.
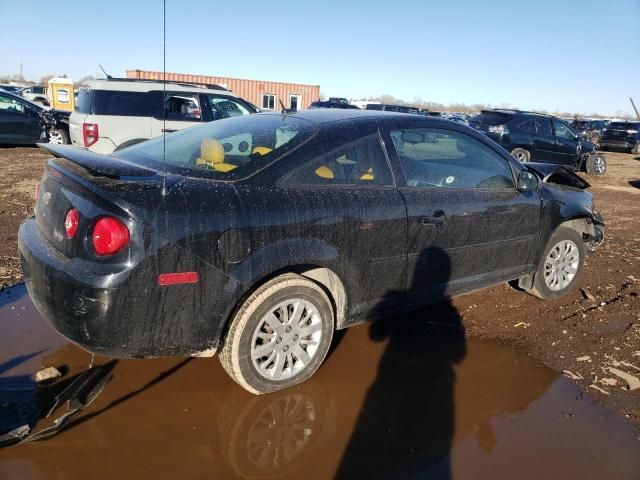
[228, 149]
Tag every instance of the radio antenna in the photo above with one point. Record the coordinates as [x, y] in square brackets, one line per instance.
[164, 93]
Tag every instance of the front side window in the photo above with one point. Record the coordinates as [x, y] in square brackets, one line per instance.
[360, 163]
[229, 149]
[563, 130]
[183, 107]
[269, 101]
[437, 158]
[11, 105]
[223, 106]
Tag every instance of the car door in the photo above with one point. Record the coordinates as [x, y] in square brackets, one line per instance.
[468, 226]
[180, 110]
[567, 143]
[19, 121]
[544, 141]
[346, 198]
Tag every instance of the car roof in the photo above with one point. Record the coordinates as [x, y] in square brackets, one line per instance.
[326, 115]
[135, 85]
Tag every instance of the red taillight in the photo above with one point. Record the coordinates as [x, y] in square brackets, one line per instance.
[71, 223]
[90, 134]
[110, 236]
[37, 193]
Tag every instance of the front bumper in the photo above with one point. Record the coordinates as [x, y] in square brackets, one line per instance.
[122, 314]
[594, 240]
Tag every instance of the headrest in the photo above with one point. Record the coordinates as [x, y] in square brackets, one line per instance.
[211, 152]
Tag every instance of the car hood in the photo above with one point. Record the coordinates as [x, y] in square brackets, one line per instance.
[558, 174]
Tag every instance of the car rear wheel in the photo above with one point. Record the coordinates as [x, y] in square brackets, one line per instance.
[596, 164]
[636, 150]
[279, 336]
[57, 136]
[561, 265]
[521, 155]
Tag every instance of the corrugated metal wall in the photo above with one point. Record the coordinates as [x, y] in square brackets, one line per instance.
[251, 90]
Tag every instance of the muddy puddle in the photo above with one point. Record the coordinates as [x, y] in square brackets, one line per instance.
[408, 397]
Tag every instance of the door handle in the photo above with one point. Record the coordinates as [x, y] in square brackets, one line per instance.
[168, 130]
[438, 218]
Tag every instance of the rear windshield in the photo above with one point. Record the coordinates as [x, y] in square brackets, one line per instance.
[624, 126]
[489, 118]
[228, 149]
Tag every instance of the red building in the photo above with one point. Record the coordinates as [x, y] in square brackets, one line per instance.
[263, 94]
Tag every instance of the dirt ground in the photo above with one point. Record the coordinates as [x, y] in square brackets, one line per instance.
[593, 334]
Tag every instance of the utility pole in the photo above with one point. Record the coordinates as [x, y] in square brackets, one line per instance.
[634, 107]
[21, 75]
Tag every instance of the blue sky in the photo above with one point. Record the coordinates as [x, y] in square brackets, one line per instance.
[578, 56]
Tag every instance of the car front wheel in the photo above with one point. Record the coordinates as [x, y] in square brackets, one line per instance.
[57, 136]
[596, 164]
[279, 336]
[561, 265]
[521, 155]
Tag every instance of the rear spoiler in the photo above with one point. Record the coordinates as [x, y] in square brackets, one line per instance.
[558, 174]
[96, 163]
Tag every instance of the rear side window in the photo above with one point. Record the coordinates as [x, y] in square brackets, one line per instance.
[84, 100]
[229, 149]
[360, 163]
[490, 118]
[543, 126]
[113, 102]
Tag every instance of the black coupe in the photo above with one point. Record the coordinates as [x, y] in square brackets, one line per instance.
[262, 235]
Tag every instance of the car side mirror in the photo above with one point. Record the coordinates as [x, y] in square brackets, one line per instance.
[527, 181]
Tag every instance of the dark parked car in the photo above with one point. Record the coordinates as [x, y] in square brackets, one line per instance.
[261, 235]
[590, 130]
[622, 135]
[383, 107]
[537, 137]
[333, 103]
[25, 123]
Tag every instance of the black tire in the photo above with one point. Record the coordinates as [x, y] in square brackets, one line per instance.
[58, 136]
[521, 155]
[247, 322]
[596, 164]
[540, 288]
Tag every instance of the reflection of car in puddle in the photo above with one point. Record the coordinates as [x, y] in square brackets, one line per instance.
[267, 437]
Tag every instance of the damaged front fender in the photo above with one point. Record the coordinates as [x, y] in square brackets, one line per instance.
[557, 174]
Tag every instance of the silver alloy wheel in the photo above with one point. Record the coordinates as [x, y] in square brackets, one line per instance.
[599, 165]
[286, 339]
[561, 265]
[55, 137]
[521, 156]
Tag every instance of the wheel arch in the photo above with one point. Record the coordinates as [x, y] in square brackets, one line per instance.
[325, 277]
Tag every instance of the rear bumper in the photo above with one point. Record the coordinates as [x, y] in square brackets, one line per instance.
[122, 314]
